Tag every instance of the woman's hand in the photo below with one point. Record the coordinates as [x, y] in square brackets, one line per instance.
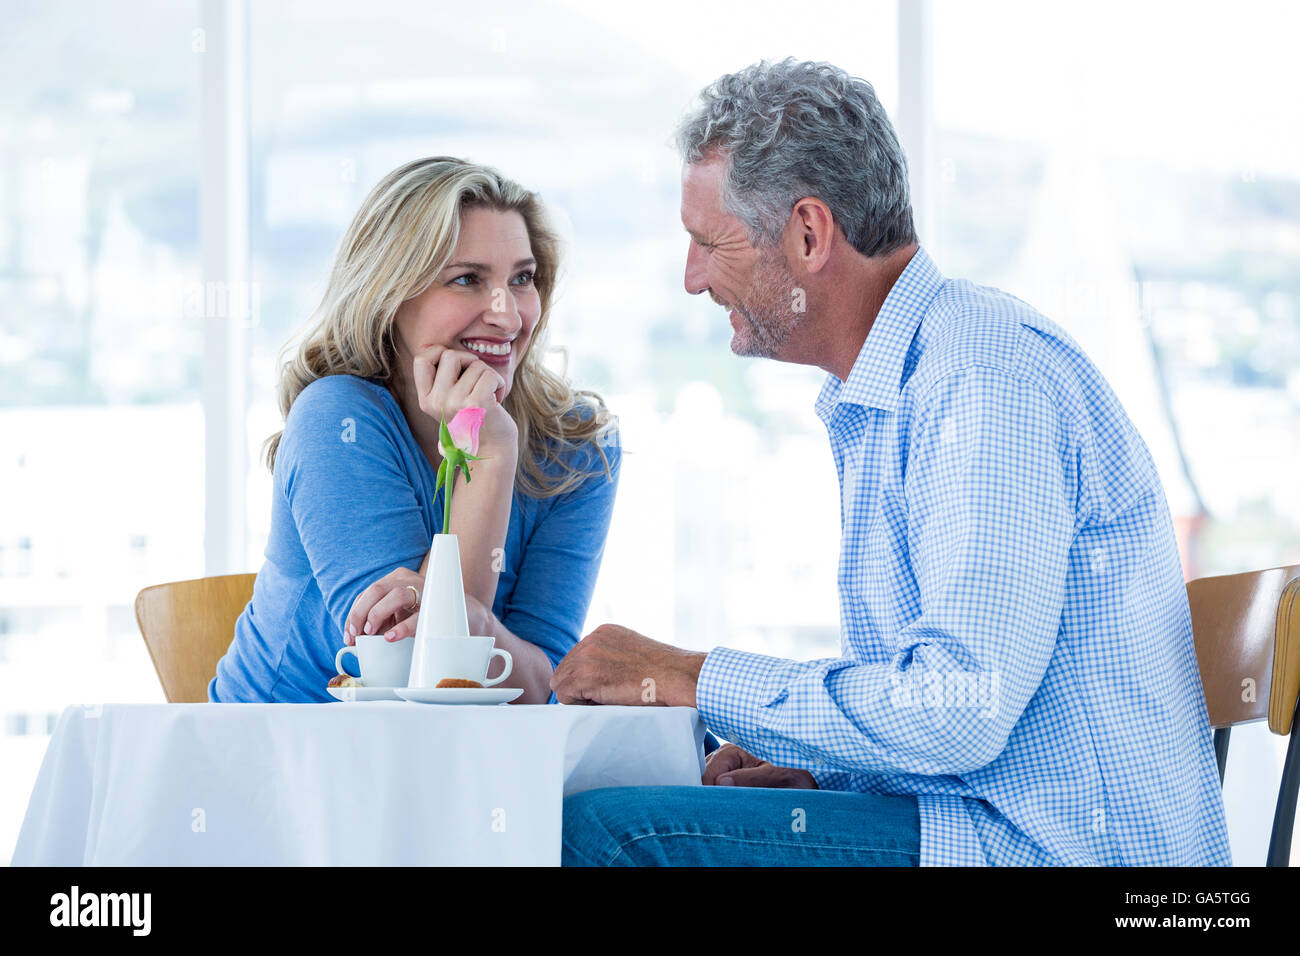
[481, 621]
[385, 608]
[447, 380]
[387, 604]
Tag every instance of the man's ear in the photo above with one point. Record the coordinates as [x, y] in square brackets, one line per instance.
[810, 229]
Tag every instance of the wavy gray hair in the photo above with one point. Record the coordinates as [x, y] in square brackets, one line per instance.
[793, 129]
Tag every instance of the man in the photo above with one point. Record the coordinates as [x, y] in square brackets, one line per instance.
[1018, 683]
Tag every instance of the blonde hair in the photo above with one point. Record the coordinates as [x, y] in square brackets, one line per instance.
[402, 236]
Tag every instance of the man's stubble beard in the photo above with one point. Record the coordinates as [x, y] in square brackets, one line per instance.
[768, 312]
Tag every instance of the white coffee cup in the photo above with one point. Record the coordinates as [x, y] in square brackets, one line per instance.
[382, 663]
[459, 658]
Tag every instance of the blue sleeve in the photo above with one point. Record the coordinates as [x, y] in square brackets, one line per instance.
[990, 519]
[341, 471]
[561, 559]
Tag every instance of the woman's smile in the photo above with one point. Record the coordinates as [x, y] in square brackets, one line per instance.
[496, 352]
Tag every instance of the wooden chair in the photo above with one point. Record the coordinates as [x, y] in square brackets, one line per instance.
[187, 626]
[1247, 634]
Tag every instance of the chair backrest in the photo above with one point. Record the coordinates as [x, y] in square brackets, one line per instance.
[1247, 633]
[187, 626]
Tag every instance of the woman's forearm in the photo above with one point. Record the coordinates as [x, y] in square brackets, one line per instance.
[531, 669]
[480, 517]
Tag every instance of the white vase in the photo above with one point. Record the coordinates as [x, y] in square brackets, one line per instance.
[442, 606]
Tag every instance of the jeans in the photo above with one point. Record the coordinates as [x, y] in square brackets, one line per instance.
[739, 826]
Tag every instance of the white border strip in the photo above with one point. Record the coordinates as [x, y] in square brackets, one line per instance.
[223, 217]
[916, 111]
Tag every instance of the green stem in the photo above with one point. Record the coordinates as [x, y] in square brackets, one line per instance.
[446, 500]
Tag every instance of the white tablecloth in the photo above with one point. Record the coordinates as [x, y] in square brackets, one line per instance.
[383, 783]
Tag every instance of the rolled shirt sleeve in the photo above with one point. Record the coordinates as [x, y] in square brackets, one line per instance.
[990, 523]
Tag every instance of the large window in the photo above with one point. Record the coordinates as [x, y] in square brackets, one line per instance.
[101, 467]
[577, 101]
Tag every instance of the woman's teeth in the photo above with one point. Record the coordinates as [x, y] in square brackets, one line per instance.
[487, 348]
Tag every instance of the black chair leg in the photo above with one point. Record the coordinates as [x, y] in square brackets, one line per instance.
[1279, 846]
[1221, 749]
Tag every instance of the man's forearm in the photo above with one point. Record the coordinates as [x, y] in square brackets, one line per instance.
[687, 678]
[861, 717]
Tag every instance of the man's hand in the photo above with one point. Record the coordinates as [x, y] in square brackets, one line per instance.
[614, 665]
[729, 766]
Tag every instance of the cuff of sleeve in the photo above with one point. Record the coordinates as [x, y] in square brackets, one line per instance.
[828, 779]
[735, 688]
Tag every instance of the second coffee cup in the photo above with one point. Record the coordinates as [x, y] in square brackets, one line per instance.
[458, 658]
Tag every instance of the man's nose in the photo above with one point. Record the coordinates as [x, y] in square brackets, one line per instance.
[696, 273]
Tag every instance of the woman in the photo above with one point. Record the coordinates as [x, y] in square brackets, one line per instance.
[438, 300]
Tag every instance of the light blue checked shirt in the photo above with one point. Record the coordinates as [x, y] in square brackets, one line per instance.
[1016, 642]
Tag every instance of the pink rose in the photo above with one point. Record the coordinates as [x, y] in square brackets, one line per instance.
[458, 442]
[464, 427]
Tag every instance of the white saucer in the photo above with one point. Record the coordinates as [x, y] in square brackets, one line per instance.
[459, 695]
[362, 693]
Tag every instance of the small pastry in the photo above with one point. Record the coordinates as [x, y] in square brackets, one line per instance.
[344, 680]
[458, 682]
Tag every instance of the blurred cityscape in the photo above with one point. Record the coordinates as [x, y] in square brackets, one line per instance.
[1183, 284]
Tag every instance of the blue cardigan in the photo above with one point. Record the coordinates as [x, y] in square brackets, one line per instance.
[354, 500]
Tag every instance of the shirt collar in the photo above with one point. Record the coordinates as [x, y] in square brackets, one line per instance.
[876, 376]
